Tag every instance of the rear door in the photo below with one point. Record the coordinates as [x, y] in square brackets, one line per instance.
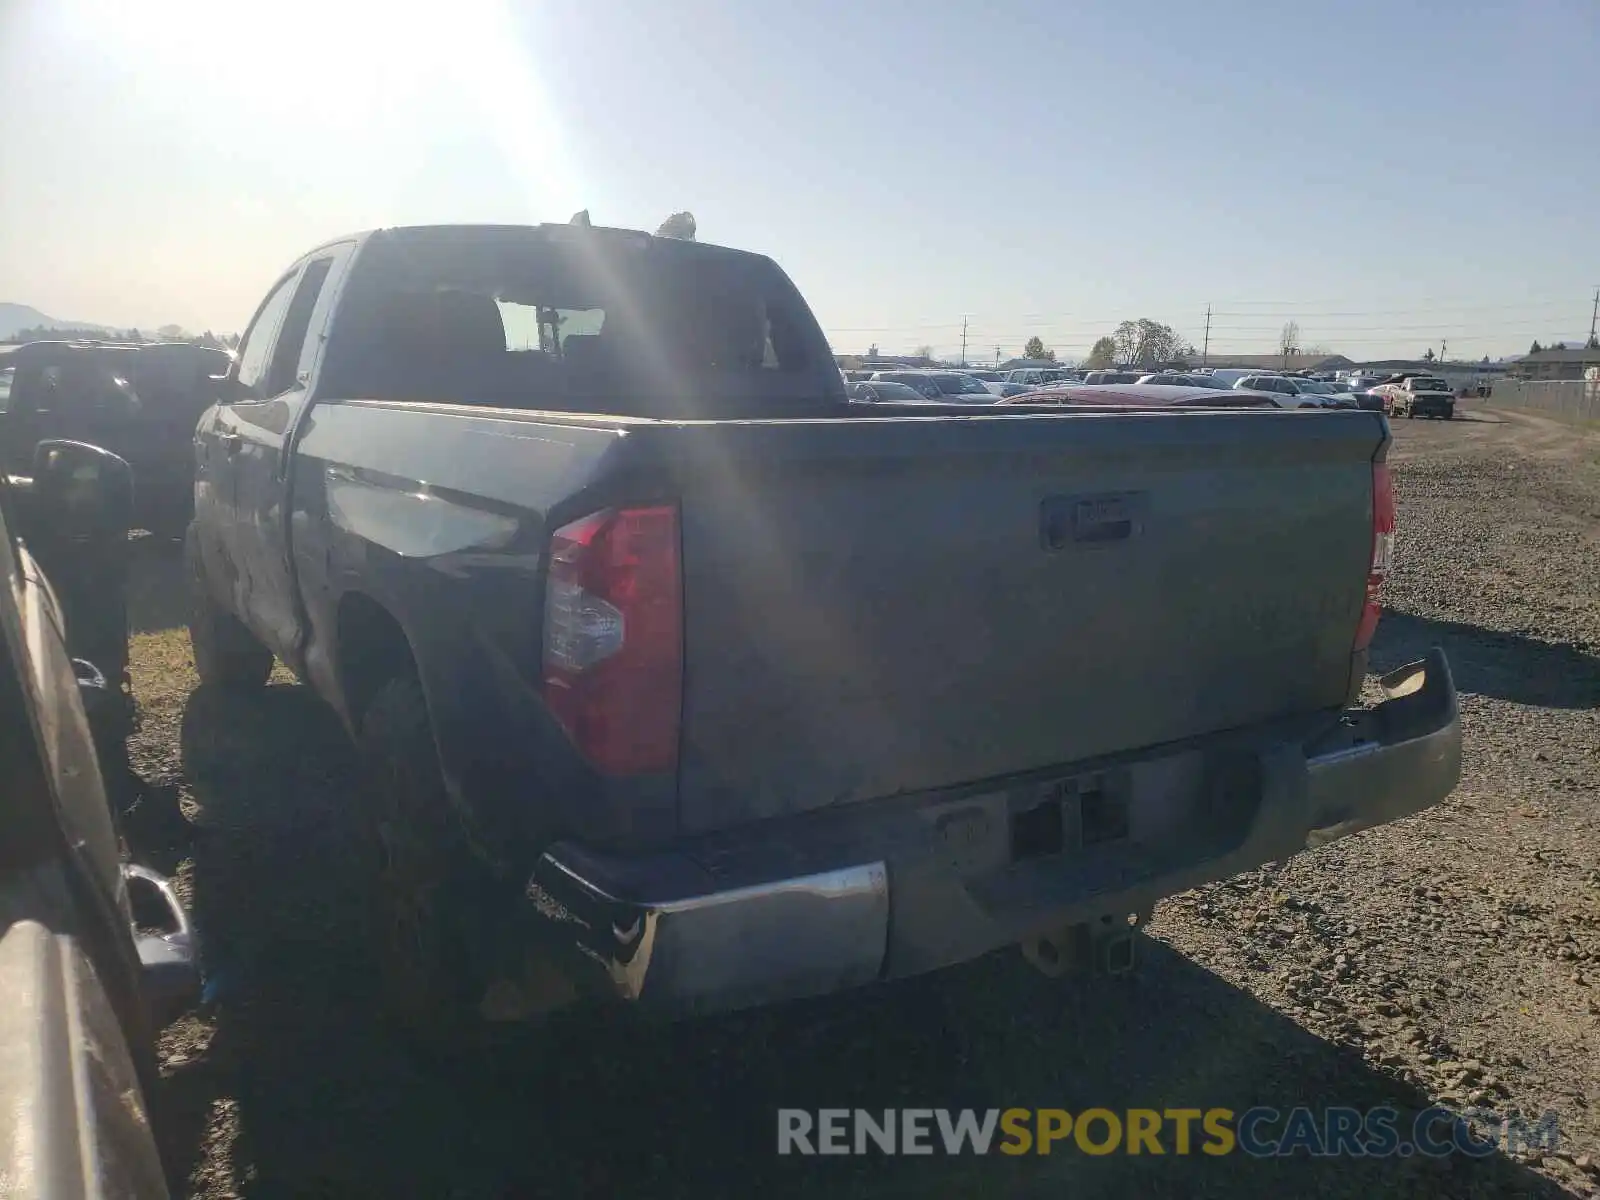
[265, 425]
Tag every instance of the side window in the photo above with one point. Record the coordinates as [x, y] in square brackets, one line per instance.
[290, 346]
[6, 376]
[258, 339]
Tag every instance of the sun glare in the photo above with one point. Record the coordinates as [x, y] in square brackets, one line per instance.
[353, 68]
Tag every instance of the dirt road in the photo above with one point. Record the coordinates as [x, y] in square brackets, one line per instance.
[1452, 958]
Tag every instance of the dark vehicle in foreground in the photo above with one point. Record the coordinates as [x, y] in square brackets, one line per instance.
[1421, 396]
[678, 679]
[139, 401]
[81, 990]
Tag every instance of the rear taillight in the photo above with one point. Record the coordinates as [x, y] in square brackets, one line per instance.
[613, 638]
[1382, 552]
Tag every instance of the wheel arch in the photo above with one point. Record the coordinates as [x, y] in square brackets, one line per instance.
[371, 647]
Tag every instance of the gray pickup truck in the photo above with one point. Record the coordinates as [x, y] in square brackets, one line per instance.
[679, 679]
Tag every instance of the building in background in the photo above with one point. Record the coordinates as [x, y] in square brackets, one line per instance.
[1555, 364]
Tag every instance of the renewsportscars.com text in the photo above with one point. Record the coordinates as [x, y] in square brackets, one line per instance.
[1259, 1132]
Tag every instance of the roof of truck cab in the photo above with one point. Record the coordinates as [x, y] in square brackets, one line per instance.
[424, 233]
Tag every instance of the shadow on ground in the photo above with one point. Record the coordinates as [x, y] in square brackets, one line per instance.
[327, 1105]
[157, 599]
[1507, 666]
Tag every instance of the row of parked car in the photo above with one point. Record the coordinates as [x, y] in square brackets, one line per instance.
[1407, 393]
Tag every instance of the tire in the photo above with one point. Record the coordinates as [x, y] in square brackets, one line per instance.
[421, 870]
[226, 654]
[1449, 414]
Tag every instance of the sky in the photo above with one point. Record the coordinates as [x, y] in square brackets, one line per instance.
[1390, 174]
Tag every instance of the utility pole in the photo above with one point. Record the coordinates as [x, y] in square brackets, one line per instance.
[1205, 351]
[1594, 314]
[1443, 346]
[963, 341]
[997, 356]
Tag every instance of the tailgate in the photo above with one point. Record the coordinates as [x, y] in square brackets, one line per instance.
[882, 606]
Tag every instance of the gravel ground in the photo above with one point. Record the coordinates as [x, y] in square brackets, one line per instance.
[1451, 958]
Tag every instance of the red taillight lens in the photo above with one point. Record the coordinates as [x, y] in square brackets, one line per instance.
[613, 638]
[1382, 551]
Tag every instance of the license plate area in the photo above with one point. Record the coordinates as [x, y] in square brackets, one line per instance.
[1070, 815]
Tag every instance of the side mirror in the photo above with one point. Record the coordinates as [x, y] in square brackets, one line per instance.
[80, 490]
[221, 389]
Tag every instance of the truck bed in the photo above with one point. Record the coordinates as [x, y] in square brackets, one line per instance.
[877, 605]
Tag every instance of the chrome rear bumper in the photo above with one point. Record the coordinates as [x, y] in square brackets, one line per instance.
[659, 932]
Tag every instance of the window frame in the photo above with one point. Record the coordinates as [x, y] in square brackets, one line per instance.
[281, 369]
[244, 392]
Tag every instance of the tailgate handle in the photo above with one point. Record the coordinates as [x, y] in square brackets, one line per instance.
[1115, 517]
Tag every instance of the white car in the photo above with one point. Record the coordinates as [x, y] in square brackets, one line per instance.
[1293, 393]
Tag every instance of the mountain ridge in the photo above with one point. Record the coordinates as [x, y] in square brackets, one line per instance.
[16, 317]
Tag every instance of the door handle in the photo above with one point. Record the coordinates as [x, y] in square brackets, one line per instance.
[230, 443]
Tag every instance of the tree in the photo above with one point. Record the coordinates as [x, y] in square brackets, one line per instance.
[1559, 346]
[171, 331]
[63, 333]
[1289, 341]
[925, 353]
[679, 225]
[1535, 348]
[872, 350]
[1428, 355]
[1035, 349]
[1102, 354]
[1146, 342]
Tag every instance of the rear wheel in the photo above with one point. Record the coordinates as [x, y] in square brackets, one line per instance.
[226, 654]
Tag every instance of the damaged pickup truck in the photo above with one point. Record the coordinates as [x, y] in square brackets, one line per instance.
[677, 679]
